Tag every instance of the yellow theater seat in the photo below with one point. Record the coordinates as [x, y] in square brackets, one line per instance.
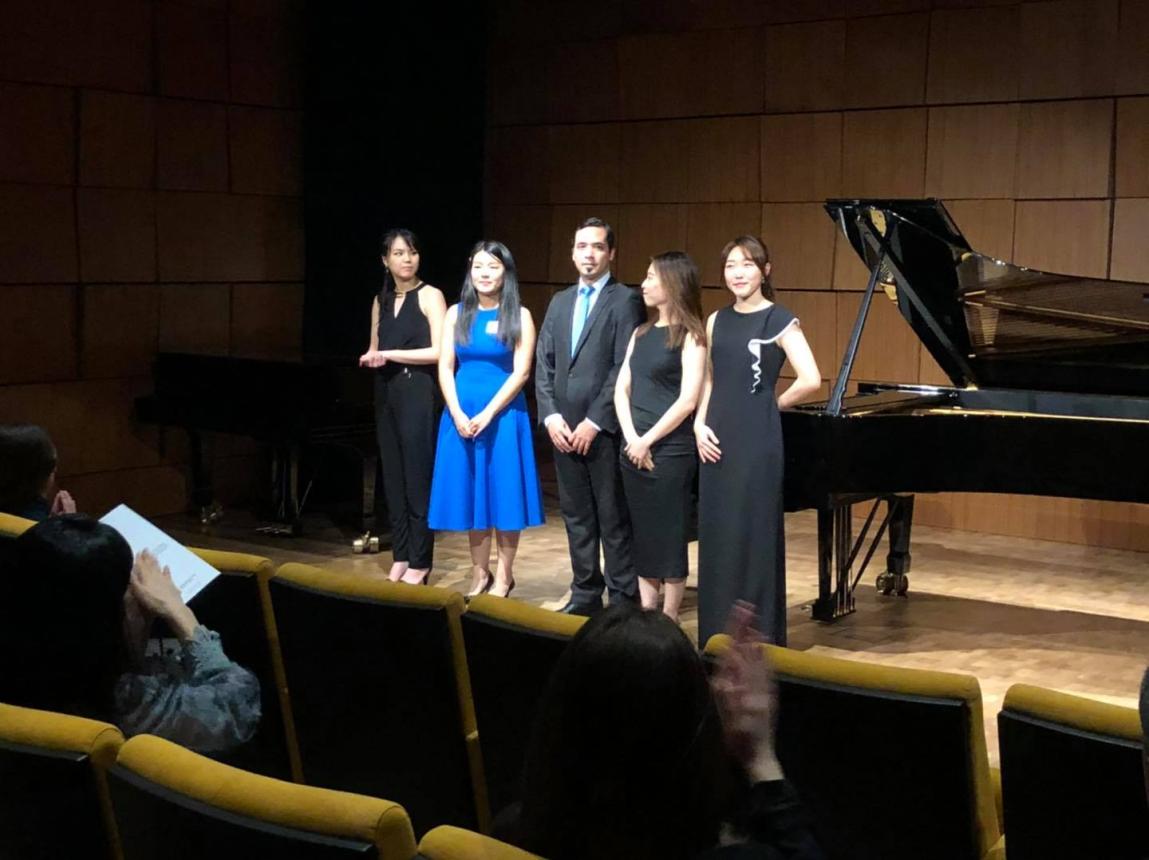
[454, 843]
[512, 648]
[13, 527]
[1072, 782]
[891, 762]
[174, 804]
[380, 692]
[53, 794]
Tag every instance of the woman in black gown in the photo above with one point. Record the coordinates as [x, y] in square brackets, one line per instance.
[406, 324]
[657, 389]
[738, 431]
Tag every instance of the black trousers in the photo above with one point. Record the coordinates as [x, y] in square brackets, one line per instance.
[406, 418]
[594, 510]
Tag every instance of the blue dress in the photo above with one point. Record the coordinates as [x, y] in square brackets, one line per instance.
[490, 480]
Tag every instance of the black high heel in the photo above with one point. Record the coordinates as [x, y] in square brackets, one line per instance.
[483, 589]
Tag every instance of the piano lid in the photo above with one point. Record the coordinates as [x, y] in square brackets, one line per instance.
[993, 324]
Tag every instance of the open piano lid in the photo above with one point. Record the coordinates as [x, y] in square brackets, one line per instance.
[993, 324]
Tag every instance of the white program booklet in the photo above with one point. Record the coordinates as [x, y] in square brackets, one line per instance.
[189, 572]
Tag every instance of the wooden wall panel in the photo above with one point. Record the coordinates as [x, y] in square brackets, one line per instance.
[585, 161]
[1064, 236]
[929, 372]
[858, 8]
[986, 224]
[1133, 48]
[191, 146]
[1064, 148]
[518, 165]
[117, 234]
[1068, 48]
[886, 60]
[120, 330]
[709, 226]
[518, 84]
[850, 273]
[266, 150]
[884, 153]
[973, 55]
[805, 66]
[31, 349]
[713, 299]
[1130, 230]
[581, 82]
[643, 231]
[265, 41]
[152, 492]
[817, 313]
[117, 134]
[889, 351]
[724, 75]
[37, 234]
[654, 162]
[801, 156]
[526, 230]
[800, 237]
[267, 320]
[537, 298]
[724, 156]
[78, 43]
[564, 220]
[972, 151]
[39, 139]
[792, 11]
[196, 318]
[272, 227]
[191, 50]
[1132, 167]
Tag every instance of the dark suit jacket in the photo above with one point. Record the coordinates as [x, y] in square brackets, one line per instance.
[582, 386]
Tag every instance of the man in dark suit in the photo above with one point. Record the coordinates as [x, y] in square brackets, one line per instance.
[582, 344]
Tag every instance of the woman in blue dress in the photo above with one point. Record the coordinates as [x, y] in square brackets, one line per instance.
[485, 478]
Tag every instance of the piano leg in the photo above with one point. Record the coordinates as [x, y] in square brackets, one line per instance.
[901, 517]
[202, 487]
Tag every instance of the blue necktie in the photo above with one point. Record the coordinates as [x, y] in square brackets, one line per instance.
[582, 311]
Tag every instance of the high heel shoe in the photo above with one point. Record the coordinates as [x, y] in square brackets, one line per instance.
[488, 581]
[510, 588]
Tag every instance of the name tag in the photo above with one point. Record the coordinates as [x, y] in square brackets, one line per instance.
[493, 327]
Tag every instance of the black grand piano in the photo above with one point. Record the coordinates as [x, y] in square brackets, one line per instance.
[1050, 394]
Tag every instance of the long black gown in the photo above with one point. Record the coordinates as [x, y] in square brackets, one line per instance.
[741, 545]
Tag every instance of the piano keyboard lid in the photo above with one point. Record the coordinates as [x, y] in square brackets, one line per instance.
[993, 324]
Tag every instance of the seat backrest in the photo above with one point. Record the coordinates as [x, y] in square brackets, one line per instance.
[12, 526]
[455, 843]
[1071, 772]
[237, 607]
[53, 794]
[174, 804]
[512, 648]
[380, 693]
[891, 762]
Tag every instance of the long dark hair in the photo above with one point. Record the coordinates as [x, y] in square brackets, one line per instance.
[62, 641]
[389, 238]
[756, 250]
[510, 306]
[679, 276]
[27, 460]
[659, 786]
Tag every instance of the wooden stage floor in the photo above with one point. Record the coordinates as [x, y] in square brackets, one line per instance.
[1006, 610]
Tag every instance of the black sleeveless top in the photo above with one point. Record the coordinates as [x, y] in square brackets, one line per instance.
[655, 383]
[409, 329]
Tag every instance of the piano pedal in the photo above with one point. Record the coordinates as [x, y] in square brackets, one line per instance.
[367, 544]
[281, 529]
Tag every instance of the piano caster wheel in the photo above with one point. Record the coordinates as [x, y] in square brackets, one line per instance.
[210, 514]
[902, 585]
[885, 583]
[369, 543]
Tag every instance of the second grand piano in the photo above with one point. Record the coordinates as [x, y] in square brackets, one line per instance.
[1050, 394]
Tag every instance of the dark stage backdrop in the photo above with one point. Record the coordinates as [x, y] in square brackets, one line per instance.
[393, 137]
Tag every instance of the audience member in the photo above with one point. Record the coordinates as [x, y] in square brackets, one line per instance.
[28, 474]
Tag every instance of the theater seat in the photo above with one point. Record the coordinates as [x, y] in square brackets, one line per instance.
[454, 843]
[174, 804]
[891, 762]
[512, 648]
[53, 794]
[380, 692]
[1072, 781]
[12, 526]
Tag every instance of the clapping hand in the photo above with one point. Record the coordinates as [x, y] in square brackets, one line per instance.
[156, 594]
[63, 503]
[747, 700]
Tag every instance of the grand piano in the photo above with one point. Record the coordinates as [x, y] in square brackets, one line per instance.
[1050, 394]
